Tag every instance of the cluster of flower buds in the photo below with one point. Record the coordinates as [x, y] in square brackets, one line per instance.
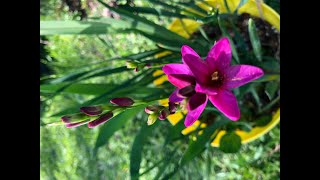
[97, 115]
[161, 112]
[136, 65]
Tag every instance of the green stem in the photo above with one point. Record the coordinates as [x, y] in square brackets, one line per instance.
[270, 104]
[155, 165]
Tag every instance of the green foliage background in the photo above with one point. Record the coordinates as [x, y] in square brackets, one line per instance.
[71, 154]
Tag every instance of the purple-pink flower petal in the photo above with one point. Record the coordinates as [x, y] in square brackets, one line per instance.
[227, 103]
[181, 80]
[176, 69]
[219, 56]
[188, 50]
[174, 97]
[239, 75]
[198, 67]
[209, 90]
[195, 107]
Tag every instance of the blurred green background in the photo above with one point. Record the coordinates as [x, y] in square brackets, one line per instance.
[70, 153]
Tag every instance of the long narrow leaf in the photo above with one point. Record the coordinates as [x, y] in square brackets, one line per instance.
[148, 27]
[113, 125]
[73, 27]
[254, 38]
[137, 148]
[196, 147]
[153, 11]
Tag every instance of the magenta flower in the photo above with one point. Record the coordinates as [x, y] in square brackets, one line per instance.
[213, 78]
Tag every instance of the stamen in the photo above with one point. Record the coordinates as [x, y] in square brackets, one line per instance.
[214, 76]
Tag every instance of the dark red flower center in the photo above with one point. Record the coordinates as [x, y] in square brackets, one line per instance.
[216, 79]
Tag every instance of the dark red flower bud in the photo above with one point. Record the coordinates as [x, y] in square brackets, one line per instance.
[122, 101]
[73, 118]
[164, 114]
[91, 110]
[172, 107]
[102, 119]
[151, 109]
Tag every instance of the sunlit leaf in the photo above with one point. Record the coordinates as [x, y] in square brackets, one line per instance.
[137, 149]
[230, 143]
[196, 147]
[108, 129]
[254, 39]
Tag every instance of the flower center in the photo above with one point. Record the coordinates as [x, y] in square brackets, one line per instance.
[214, 76]
[216, 79]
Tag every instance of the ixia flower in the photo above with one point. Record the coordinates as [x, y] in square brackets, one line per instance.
[198, 80]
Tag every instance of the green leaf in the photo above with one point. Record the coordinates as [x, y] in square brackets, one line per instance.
[196, 147]
[153, 11]
[225, 33]
[68, 77]
[177, 9]
[73, 27]
[115, 124]
[175, 132]
[101, 99]
[271, 89]
[254, 38]
[230, 143]
[268, 77]
[94, 89]
[137, 147]
[89, 74]
[264, 120]
[149, 28]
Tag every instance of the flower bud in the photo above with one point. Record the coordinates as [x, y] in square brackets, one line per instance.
[151, 109]
[74, 118]
[172, 107]
[163, 114]
[122, 101]
[102, 119]
[91, 110]
[152, 118]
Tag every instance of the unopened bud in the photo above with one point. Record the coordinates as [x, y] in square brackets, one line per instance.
[91, 110]
[122, 101]
[74, 118]
[172, 107]
[102, 119]
[163, 114]
[151, 109]
[152, 118]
